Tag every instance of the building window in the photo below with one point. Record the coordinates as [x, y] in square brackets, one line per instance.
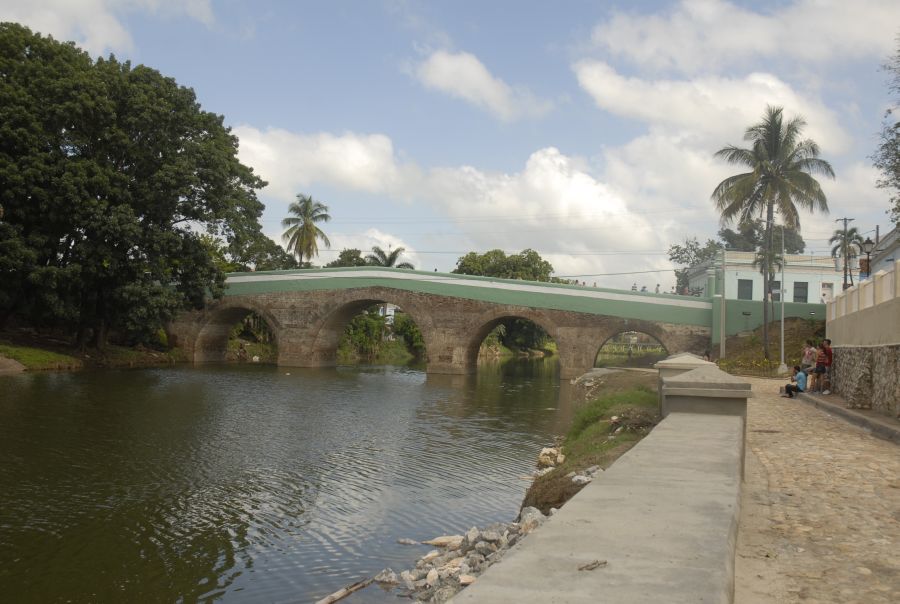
[745, 289]
[801, 291]
[776, 291]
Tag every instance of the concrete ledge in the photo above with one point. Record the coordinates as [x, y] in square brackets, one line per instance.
[664, 517]
[879, 425]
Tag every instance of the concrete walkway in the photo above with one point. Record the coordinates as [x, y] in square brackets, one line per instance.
[661, 521]
[820, 512]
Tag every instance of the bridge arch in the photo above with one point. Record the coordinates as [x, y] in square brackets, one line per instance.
[664, 336]
[211, 340]
[329, 323]
[490, 319]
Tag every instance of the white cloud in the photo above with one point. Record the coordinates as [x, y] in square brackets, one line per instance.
[700, 35]
[716, 110]
[463, 76]
[95, 25]
[291, 162]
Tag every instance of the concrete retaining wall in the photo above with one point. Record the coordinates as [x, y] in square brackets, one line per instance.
[864, 326]
[664, 517]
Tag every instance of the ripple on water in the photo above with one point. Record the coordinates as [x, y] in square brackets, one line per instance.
[246, 484]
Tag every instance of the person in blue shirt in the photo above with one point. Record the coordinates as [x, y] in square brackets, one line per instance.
[798, 376]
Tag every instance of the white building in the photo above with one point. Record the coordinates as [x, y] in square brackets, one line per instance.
[808, 278]
[886, 251]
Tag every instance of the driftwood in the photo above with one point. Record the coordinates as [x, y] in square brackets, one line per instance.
[345, 591]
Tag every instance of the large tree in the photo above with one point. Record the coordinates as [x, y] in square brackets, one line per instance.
[303, 233]
[527, 265]
[887, 156]
[846, 245]
[379, 257]
[688, 254]
[347, 258]
[750, 235]
[109, 174]
[780, 178]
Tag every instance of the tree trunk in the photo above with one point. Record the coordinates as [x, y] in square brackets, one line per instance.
[767, 286]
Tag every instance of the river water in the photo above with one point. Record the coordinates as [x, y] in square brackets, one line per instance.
[254, 483]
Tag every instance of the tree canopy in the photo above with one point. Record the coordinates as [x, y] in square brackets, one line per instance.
[779, 179]
[691, 253]
[109, 174]
[379, 257]
[750, 236]
[348, 257]
[887, 156]
[303, 233]
[527, 265]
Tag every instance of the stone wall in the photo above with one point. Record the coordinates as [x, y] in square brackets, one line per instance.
[867, 377]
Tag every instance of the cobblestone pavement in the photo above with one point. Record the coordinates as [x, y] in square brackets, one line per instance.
[820, 516]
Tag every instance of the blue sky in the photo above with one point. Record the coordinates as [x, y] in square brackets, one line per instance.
[584, 130]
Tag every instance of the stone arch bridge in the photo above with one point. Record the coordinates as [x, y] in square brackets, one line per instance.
[308, 311]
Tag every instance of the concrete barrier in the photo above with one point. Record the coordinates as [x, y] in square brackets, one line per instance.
[663, 517]
[673, 365]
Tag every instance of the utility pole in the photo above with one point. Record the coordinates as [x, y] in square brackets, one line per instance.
[846, 249]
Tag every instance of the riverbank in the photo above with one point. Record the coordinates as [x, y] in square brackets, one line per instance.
[617, 409]
[37, 352]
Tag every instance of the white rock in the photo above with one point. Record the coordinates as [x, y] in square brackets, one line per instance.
[530, 519]
[581, 479]
[408, 580]
[547, 457]
[553, 511]
[430, 556]
[387, 576]
[432, 577]
[449, 541]
[492, 536]
[472, 535]
[593, 470]
[560, 459]
[466, 580]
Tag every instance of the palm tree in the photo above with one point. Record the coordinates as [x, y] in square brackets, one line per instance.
[302, 233]
[844, 242]
[767, 265]
[779, 180]
[378, 257]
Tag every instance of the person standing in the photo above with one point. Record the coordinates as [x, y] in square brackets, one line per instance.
[829, 359]
[819, 370]
[808, 356]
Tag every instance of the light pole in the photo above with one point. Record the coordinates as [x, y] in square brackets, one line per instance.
[782, 368]
[867, 246]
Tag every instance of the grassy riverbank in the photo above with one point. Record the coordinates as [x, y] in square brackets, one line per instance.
[744, 352]
[621, 409]
[44, 353]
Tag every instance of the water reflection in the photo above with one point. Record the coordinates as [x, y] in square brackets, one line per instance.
[251, 483]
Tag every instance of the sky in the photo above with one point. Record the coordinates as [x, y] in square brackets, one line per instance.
[584, 130]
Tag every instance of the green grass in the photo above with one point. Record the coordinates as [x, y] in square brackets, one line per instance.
[36, 359]
[598, 411]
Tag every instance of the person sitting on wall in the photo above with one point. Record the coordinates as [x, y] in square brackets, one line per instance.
[798, 376]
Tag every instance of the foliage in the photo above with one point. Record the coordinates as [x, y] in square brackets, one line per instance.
[302, 234]
[780, 178]
[108, 173]
[750, 236]
[407, 330]
[844, 244]
[601, 408]
[526, 265]
[689, 254]
[347, 257]
[364, 334]
[887, 156]
[379, 257]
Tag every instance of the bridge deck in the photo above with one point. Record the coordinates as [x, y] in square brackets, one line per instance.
[532, 294]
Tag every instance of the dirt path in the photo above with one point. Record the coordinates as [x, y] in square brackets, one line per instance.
[820, 517]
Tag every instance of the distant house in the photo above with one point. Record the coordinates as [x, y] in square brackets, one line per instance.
[886, 251]
[808, 278]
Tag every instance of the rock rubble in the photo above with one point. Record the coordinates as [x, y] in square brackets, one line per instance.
[459, 559]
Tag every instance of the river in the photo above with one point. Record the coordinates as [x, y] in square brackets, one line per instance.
[242, 483]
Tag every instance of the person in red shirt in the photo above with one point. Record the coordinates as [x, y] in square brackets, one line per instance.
[820, 370]
[829, 358]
